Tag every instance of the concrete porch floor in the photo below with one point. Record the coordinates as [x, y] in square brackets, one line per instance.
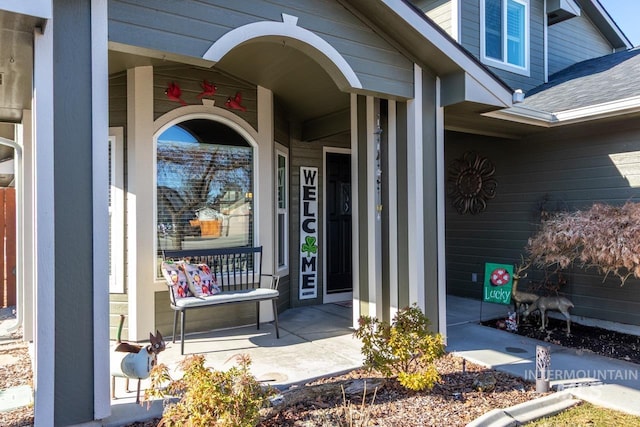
[315, 341]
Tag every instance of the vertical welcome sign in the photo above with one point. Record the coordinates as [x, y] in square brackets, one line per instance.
[308, 232]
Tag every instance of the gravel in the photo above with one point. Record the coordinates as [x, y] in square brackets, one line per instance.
[15, 370]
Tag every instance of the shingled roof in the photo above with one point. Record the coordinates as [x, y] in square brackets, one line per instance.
[593, 82]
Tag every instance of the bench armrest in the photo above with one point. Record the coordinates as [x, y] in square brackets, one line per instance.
[274, 280]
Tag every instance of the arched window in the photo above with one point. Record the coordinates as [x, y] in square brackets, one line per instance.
[204, 186]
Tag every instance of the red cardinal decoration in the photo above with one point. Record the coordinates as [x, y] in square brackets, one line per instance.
[234, 103]
[208, 89]
[173, 92]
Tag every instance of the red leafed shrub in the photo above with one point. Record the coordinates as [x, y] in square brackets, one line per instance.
[604, 237]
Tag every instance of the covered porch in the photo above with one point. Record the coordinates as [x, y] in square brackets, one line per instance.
[372, 89]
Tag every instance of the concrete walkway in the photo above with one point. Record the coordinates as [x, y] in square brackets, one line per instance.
[600, 380]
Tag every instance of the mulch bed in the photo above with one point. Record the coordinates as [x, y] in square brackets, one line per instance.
[600, 341]
[452, 402]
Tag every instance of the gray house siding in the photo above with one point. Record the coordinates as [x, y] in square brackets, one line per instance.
[74, 380]
[430, 201]
[403, 202]
[439, 11]
[190, 79]
[557, 170]
[190, 28]
[118, 100]
[470, 39]
[573, 41]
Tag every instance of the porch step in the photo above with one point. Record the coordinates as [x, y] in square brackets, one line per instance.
[15, 397]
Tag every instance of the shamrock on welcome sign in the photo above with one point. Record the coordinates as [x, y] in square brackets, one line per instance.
[309, 246]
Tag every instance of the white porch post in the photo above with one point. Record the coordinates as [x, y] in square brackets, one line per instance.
[26, 255]
[355, 211]
[140, 202]
[392, 210]
[440, 166]
[415, 194]
[374, 230]
[100, 165]
[264, 218]
[43, 201]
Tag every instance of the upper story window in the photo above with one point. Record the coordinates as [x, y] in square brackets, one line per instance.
[504, 34]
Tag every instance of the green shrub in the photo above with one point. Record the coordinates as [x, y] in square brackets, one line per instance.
[208, 397]
[406, 348]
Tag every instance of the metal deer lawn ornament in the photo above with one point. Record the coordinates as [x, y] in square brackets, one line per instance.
[546, 304]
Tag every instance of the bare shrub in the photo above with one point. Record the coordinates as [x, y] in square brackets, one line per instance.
[604, 237]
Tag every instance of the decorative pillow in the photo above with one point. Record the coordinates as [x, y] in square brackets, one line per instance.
[173, 273]
[202, 282]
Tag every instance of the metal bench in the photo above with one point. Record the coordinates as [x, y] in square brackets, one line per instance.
[238, 273]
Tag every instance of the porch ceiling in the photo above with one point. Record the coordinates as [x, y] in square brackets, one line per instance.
[299, 83]
[16, 64]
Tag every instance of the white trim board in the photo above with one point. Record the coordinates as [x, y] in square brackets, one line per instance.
[300, 38]
[44, 337]
[100, 177]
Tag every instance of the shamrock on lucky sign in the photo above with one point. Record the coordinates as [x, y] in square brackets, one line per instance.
[309, 245]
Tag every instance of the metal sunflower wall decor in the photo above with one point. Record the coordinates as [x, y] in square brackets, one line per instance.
[470, 183]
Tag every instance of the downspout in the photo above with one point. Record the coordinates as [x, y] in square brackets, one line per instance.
[18, 186]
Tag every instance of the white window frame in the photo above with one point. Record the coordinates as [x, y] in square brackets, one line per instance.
[116, 210]
[504, 65]
[282, 151]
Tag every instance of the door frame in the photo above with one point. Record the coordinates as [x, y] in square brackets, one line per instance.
[343, 296]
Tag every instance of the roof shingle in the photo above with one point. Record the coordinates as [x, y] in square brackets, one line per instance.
[595, 81]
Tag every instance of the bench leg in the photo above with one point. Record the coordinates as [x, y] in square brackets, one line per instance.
[175, 323]
[275, 316]
[182, 316]
[258, 314]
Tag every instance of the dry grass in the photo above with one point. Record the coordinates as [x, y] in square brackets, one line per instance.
[587, 414]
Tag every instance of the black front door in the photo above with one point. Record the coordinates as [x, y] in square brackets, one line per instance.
[338, 223]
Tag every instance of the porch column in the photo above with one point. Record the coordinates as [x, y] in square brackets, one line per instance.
[26, 256]
[43, 221]
[367, 225]
[440, 195]
[425, 201]
[431, 204]
[100, 181]
[140, 203]
[355, 211]
[415, 194]
[264, 217]
[391, 209]
[71, 243]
